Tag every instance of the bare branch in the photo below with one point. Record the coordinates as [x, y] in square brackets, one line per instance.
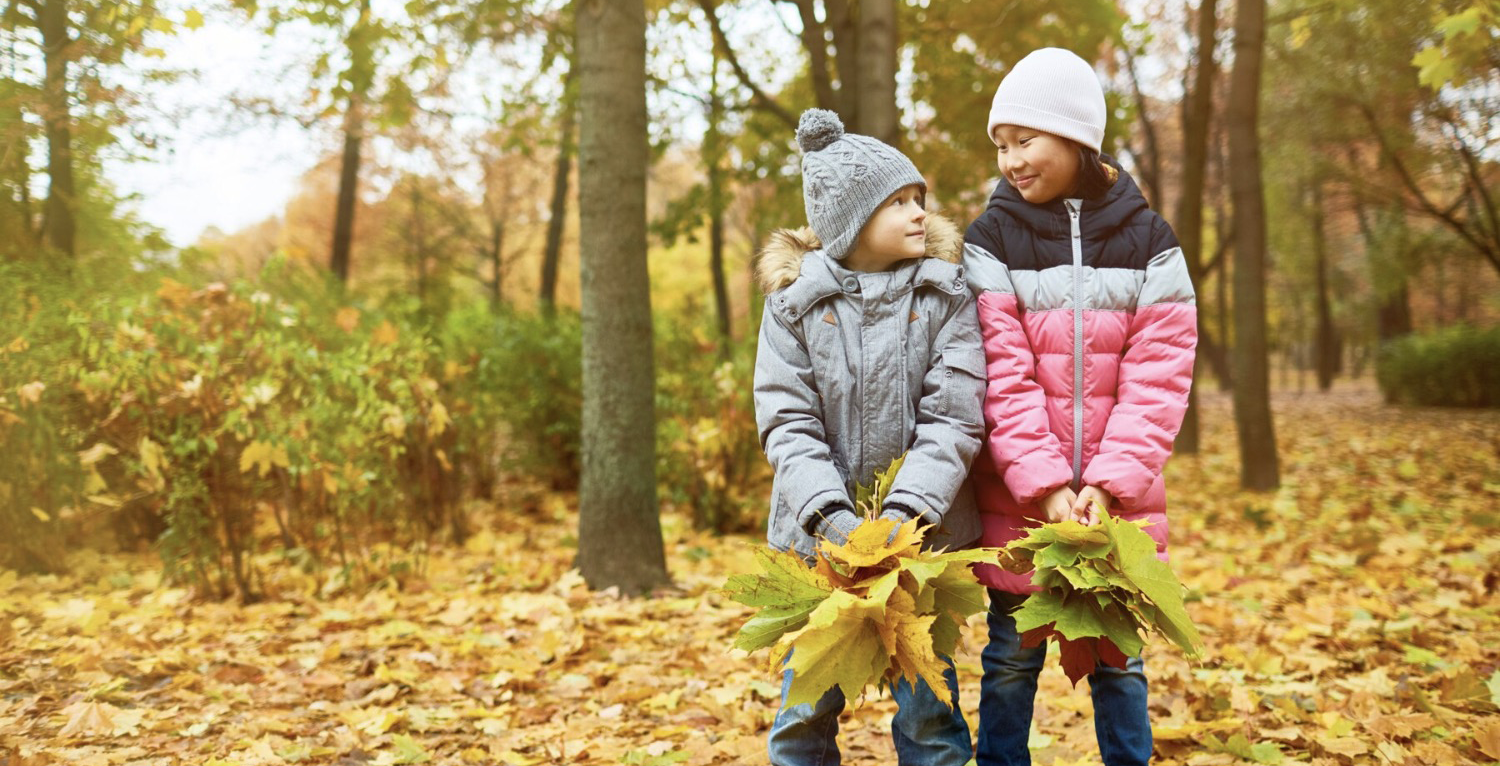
[1446, 217]
[763, 100]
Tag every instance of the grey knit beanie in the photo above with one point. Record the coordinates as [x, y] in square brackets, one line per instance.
[1055, 91]
[844, 177]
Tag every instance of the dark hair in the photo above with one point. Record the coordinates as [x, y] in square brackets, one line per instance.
[1095, 176]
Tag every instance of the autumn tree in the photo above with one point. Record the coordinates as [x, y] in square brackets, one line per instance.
[1197, 110]
[619, 532]
[57, 53]
[1259, 465]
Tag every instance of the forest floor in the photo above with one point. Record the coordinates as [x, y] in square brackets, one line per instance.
[1350, 618]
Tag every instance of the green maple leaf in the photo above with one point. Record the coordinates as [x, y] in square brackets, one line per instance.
[788, 591]
[1100, 583]
[1120, 627]
[786, 580]
[1137, 561]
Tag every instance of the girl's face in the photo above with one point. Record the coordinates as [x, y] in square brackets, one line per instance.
[896, 231]
[1041, 166]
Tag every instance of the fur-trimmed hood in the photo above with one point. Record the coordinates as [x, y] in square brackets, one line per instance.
[779, 263]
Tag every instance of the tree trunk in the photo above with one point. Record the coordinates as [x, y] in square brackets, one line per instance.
[845, 29]
[1197, 110]
[1387, 276]
[553, 252]
[60, 225]
[497, 247]
[1150, 164]
[1259, 469]
[360, 75]
[619, 530]
[1326, 347]
[876, 40]
[817, 54]
[713, 155]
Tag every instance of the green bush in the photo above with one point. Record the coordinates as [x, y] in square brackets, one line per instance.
[1456, 367]
[284, 421]
[522, 373]
[708, 453]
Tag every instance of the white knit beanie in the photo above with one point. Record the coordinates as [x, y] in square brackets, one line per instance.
[1055, 91]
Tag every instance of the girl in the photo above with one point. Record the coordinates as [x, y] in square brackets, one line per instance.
[1089, 328]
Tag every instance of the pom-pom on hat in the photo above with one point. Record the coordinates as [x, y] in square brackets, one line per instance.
[844, 177]
[1055, 91]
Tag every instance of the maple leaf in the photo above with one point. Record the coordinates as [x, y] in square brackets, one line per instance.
[872, 543]
[838, 647]
[876, 609]
[1239, 746]
[788, 590]
[908, 639]
[1099, 585]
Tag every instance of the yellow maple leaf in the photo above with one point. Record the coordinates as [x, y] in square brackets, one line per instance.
[835, 648]
[908, 639]
[867, 544]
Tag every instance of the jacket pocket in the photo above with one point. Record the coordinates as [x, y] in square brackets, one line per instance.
[960, 362]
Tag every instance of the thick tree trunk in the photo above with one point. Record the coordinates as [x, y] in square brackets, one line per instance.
[60, 224]
[619, 530]
[1259, 466]
[878, 115]
[360, 63]
[552, 254]
[1197, 110]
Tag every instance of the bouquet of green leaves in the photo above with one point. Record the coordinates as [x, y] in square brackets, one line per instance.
[870, 611]
[1101, 586]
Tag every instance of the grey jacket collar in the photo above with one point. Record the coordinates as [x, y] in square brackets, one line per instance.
[793, 263]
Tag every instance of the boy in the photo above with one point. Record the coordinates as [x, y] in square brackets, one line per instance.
[869, 349]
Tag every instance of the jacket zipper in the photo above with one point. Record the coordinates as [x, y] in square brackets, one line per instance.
[1073, 214]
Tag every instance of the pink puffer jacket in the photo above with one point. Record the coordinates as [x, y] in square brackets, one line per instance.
[1089, 327]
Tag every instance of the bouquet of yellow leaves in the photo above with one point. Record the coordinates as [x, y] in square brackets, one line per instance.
[873, 610]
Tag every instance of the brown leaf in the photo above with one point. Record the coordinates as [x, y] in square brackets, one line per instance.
[1487, 737]
[1400, 726]
[87, 718]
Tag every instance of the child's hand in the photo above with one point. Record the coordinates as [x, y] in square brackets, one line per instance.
[1083, 507]
[1058, 504]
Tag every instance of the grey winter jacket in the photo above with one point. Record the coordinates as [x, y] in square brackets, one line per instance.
[853, 370]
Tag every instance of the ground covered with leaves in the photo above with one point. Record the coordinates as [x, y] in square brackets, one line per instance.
[1351, 618]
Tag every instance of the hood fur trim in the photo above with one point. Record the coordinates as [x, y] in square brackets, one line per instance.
[779, 263]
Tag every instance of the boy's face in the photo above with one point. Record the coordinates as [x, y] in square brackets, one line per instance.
[896, 231]
[1041, 166]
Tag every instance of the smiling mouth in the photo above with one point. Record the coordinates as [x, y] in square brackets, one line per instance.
[1023, 181]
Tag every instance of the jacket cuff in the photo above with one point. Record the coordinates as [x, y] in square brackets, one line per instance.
[1030, 481]
[836, 525]
[906, 504]
[821, 506]
[1122, 476]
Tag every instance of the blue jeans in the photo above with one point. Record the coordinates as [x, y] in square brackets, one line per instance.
[1121, 723]
[925, 731]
